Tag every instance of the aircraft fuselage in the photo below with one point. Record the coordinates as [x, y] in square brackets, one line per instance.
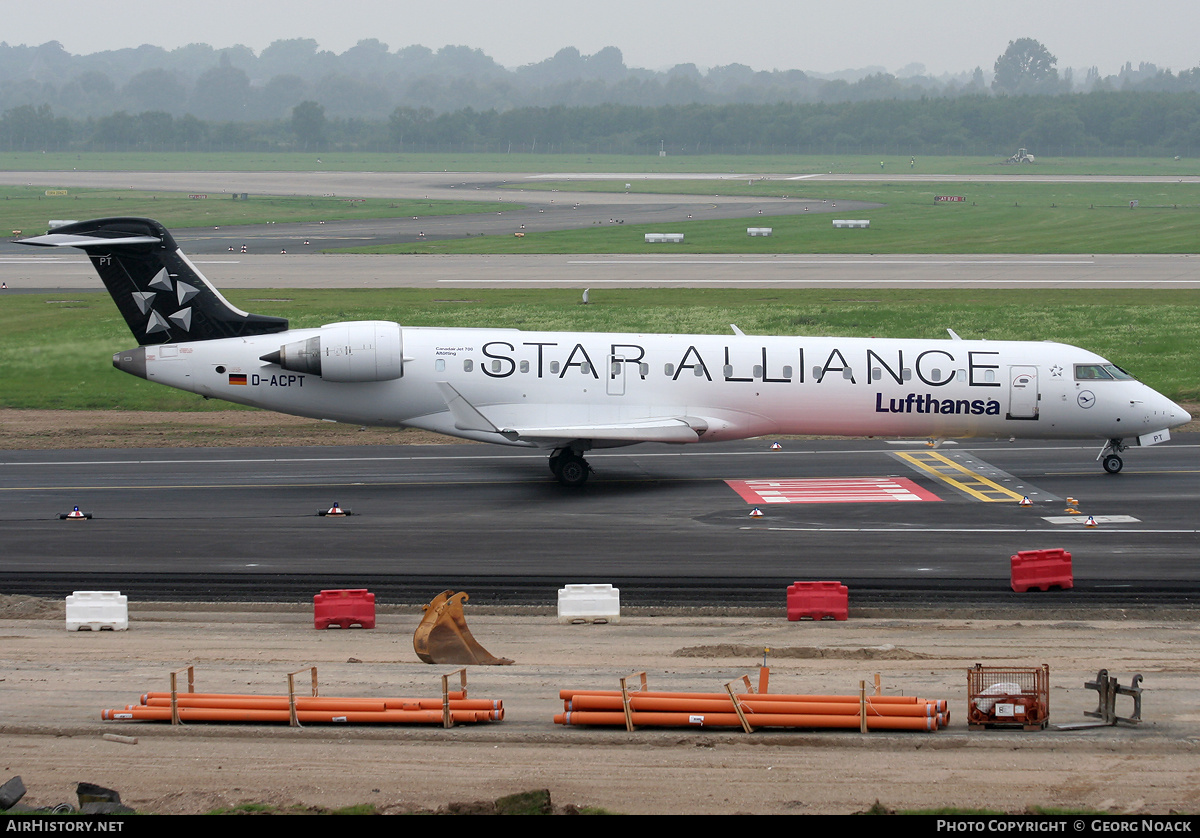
[739, 386]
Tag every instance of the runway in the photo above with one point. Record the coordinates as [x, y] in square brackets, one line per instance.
[34, 272]
[662, 523]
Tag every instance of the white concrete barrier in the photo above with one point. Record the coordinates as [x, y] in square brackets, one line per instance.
[758, 231]
[96, 610]
[653, 238]
[852, 223]
[589, 604]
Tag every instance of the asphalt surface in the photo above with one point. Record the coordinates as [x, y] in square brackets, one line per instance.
[659, 522]
[33, 270]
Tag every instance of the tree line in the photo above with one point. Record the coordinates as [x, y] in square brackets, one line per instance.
[1100, 123]
[369, 81]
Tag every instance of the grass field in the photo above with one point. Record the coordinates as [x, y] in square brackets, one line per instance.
[56, 352]
[28, 208]
[1009, 217]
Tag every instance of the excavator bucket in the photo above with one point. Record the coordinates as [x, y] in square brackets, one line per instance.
[443, 636]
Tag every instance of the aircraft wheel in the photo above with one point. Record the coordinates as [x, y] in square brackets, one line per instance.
[572, 470]
[1113, 464]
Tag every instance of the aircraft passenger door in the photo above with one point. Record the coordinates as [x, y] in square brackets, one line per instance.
[1023, 393]
[615, 377]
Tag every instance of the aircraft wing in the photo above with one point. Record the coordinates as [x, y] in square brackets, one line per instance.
[655, 429]
[665, 429]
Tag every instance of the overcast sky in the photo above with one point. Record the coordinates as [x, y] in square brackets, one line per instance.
[825, 36]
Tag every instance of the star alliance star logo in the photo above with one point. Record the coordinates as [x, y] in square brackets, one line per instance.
[155, 321]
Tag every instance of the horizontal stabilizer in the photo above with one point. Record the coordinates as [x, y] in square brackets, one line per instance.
[66, 240]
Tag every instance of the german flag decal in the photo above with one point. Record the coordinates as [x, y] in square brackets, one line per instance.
[237, 378]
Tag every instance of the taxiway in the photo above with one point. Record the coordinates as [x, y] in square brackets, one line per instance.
[666, 524]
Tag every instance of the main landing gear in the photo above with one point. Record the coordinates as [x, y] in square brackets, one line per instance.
[569, 467]
[1110, 455]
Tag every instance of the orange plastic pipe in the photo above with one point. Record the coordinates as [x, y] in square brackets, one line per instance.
[263, 702]
[218, 714]
[646, 719]
[692, 705]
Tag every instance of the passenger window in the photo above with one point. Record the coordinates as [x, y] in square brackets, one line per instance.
[440, 365]
[524, 366]
[468, 364]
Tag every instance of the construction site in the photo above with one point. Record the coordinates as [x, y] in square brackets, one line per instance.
[653, 712]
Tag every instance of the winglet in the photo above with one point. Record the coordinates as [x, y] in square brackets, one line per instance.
[466, 417]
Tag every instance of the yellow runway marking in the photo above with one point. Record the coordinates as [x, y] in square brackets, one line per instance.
[959, 477]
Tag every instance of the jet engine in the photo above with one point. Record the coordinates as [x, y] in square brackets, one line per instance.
[367, 350]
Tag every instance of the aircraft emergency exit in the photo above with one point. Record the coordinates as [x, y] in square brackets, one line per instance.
[570, 392]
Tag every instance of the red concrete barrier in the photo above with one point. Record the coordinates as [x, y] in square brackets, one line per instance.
[344, 609]
[817, 601]
[1041, 569]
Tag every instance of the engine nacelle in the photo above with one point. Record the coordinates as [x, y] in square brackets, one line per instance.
[366, 350]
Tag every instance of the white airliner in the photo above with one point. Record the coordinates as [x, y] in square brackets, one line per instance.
[570, 392]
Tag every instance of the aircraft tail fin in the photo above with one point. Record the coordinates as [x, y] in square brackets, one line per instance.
[162, 296]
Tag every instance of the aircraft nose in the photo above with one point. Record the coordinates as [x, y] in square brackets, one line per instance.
[1182, 417]
[1175, 414]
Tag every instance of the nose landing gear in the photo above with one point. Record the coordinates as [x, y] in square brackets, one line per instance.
[1110, 455]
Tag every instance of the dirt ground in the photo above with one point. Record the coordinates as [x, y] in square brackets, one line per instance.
[67, 429]
[54, 683]
[64, 429]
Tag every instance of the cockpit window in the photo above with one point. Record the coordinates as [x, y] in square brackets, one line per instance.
[1100, 372]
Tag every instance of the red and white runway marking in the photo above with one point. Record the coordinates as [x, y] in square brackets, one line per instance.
[831, 490]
